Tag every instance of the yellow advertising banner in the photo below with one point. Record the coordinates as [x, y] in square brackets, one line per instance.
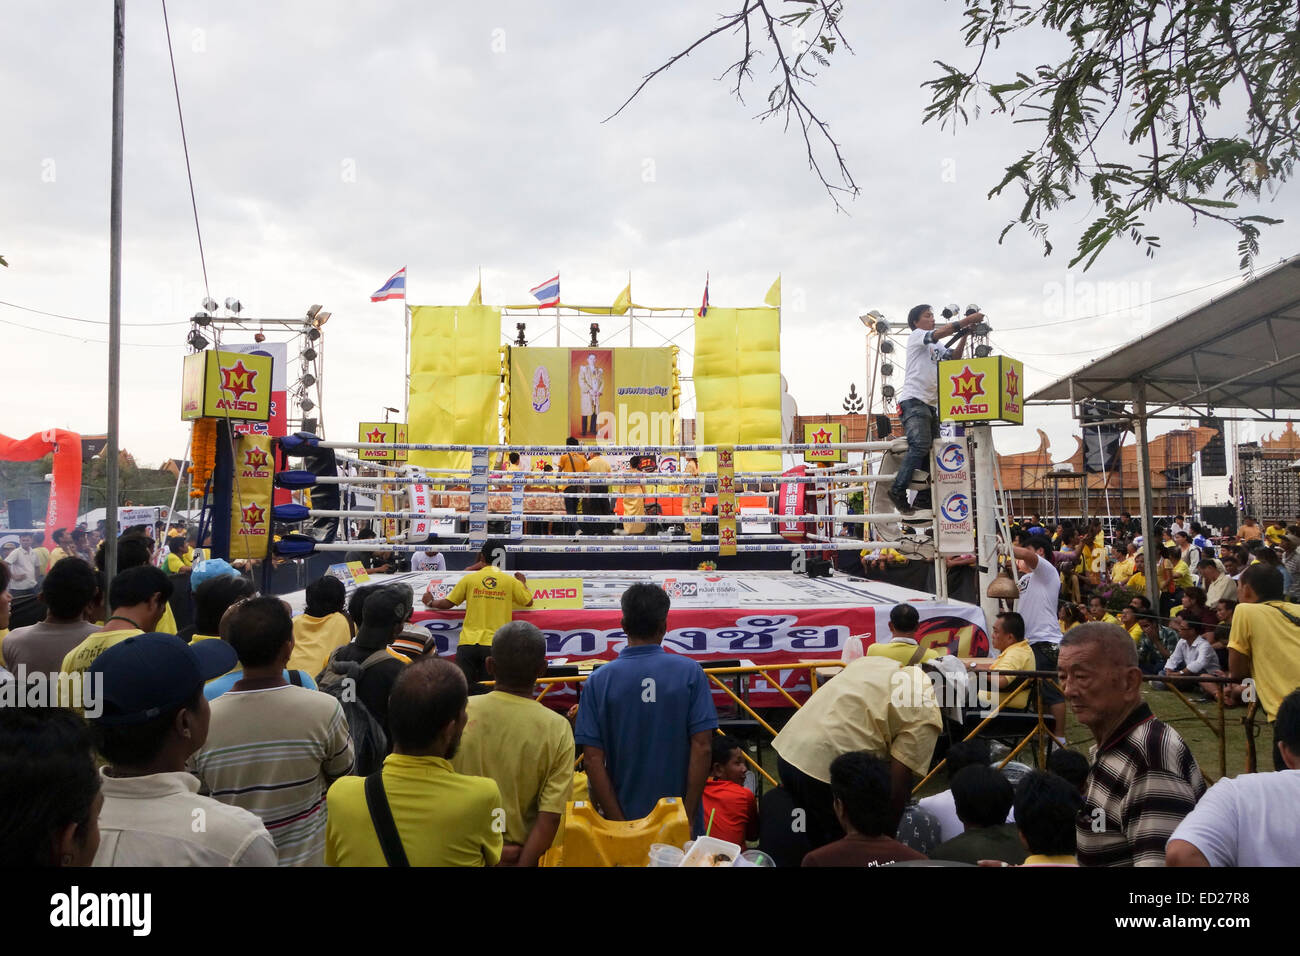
[643, 396]
[737, 378]
[981, 390]
[823, 433]
[231, 385]
[250, 505]
[556, 594]
[358, 570]
[726, 500]
[375, 432]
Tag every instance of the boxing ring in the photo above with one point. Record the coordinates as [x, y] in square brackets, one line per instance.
[732, 614]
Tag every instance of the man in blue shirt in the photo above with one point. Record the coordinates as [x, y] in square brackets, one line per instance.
[646, 720]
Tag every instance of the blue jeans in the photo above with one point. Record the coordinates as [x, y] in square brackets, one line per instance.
[921, 427]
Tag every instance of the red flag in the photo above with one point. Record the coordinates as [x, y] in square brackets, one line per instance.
[704, 306]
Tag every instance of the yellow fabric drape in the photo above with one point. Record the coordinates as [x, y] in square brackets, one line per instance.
[455, 380]
[738, 384]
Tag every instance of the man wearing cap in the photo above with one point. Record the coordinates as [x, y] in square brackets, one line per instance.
[490, 596]
[151, 716]
[919, 397]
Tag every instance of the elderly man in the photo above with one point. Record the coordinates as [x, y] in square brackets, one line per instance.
[1218, 585]
[1144, 779]
[872, 705]
[591, 385]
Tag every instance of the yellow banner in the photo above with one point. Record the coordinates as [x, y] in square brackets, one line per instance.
[231, 385]
[981, 390]
[738, 383]
[455, 380]
[250, 505]
[726, 500]
[539, 396]
[556, 594]
[823, 433]
[643, 396]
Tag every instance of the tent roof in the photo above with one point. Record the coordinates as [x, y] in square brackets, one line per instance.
[1238, 351]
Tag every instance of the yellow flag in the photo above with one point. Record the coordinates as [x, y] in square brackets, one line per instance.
[623, 302]
[477, 297]
[773, 296]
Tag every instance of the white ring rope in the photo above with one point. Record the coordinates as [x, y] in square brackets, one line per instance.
[612, 548]
[613, 478]
[897, 444]
[881, 517]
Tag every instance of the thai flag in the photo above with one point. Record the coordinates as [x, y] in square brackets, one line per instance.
[704, 306]
[394, 288]
[548, 293]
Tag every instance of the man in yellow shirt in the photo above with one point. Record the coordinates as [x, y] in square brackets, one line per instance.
[434, 815]
[1124, 569]
[521, 744]
[1097, 611]
[136, 599]
[490, 596]
[1014, 654]
[321, 627]
[62, 547]
[902, 646]
[1264, 644]
[597, 464]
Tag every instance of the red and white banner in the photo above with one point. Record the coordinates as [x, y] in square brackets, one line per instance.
[790, 503]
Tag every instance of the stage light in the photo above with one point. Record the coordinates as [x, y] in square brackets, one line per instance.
[882, 327]
[519, 334]
[210, 305]
[196, 340]
[307, 404]
[983, 351]
[309, 425]
[201, 318]
[886, 346]
[321, 319]
[309, 354]
[312, 334]
[887, 392]
[311, 313]
[308, 380]
[951, 311]
[871, 318]
[886, 368]
[232, 305]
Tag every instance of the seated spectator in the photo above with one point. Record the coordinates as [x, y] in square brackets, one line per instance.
[376, 561]
[647, 719]
[274, 748]
[321, 627]
[1047, 807]
[869, 706]
[384, 615]
[963, 754]
[1223, 632]
[1219, 586]
[49, 788]
[861, 793]
[1069, 615]
[178, 560]
[521, 744]
[1156, 644]
[1193, 654]
[1248, 820]
[435, 816]
[357, 605]
[727, 801]
[138, 596]
[1097, 611]
[1071, 765]
[1194, 604]
[1014, 654]
[1265, 641]
[902, 646]
[154, 717]
[67, 592]
[983, 798]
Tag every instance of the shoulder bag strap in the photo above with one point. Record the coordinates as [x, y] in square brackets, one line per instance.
[1286, 614]
[295, 678]
[382, 817]
[916, 655]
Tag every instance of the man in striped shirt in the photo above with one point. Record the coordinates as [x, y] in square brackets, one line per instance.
[1143, 778]
[274, 748]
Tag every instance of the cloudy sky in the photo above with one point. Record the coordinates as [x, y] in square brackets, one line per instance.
[333, 143]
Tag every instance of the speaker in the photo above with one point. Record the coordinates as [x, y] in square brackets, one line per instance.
[20, 512]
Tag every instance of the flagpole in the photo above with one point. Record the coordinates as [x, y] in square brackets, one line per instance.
[631, 313]
[557, 317]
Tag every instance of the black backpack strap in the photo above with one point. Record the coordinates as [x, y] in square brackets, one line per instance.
[295, 678]
[382, 817]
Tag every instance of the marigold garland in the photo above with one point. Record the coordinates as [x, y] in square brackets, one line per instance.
[203, 454]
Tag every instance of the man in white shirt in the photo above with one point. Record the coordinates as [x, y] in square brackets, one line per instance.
[1248, 820]
[1193, 654]
[1218, 586]
[24, 568]
[428, 561]
[151, 716]
[919, 397]
[1040, 592]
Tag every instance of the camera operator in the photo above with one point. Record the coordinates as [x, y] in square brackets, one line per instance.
[919, 397]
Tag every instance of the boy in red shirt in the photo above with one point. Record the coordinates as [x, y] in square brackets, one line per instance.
[732, 805]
